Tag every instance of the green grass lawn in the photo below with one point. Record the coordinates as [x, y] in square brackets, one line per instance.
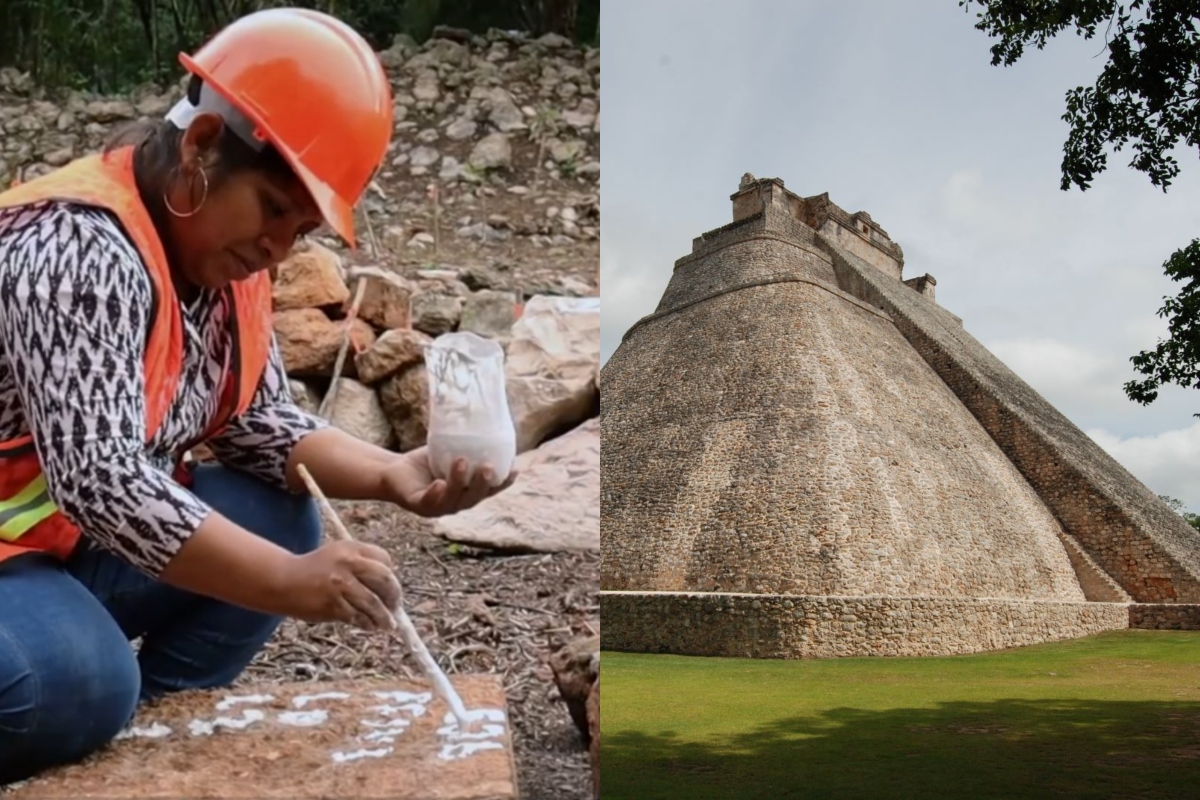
[1112, 716]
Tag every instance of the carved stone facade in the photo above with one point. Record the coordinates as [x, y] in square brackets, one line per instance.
[804, 455]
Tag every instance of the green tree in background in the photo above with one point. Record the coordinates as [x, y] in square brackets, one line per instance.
[110, 45]
[1147, 99]
[1178, 507]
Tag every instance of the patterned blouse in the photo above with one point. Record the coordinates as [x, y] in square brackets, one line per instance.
[75, 301]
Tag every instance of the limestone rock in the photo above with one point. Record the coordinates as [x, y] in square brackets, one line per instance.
[476, 276]
[59, 157]
[553, 41]
[554, 504]
[450, 170]
[564, 151]
[155, 105]
[385, 305]
[423, 156]
[552, 364]
[357, 411]
[502, 112]
[489, 313]
[483, 232]
[576, 668]
[435, 312]
[405, 399]
[309, 278]
[393, 351]
[304, 395]
[110, 110]
[493, 151]
[593, 713]
[582, 116]
[309, 341]
[426, 87]
[461, 128]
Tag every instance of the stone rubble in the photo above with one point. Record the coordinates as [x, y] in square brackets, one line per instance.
[479, 96]
[553, 350]
[576, 668]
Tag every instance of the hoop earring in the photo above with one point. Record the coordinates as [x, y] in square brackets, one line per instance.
[198, 206]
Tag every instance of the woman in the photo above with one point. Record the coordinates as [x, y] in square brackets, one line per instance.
[135, 322]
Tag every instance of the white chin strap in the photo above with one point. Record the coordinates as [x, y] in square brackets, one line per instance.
[184, 112]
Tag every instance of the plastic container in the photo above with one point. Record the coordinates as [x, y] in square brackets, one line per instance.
[469, 415]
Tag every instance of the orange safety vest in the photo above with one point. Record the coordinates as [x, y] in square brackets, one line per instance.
[30, 522]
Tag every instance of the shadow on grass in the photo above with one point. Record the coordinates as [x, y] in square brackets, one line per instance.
[1001, 749]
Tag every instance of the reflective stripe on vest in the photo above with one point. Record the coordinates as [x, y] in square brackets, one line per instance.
[25, 509]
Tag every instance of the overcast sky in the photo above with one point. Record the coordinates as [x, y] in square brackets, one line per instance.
[893, 108]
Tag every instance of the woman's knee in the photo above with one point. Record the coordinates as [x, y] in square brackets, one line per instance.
[67, 686]
[292, 521]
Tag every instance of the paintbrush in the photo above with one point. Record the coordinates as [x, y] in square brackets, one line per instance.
[408, 631]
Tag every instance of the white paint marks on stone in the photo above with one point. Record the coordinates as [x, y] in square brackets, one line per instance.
[200, 727]
[405, 697]
[232, 700]
[300, 701]
[414, 709]
[340, 758]
[395, 719]
[454, 752]
[384, 731]
[153, 731]
[303, 718]
[486, 733]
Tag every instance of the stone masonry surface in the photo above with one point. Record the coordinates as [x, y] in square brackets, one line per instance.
[1148, 549]
[788, 626]
[1165, 616]
[797, 443]
[796, 422]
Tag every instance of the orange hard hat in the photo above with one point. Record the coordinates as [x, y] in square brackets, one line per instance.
[312, 87]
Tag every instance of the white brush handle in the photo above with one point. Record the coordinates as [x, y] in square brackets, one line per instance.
[408, 631]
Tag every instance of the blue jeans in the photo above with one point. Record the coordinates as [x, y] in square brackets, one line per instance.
[69, 679]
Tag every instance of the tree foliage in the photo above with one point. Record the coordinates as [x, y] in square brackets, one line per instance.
[1178, 507]
[110, 45]
[1147, 99]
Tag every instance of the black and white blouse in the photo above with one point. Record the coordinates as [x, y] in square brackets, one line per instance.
[75, 303]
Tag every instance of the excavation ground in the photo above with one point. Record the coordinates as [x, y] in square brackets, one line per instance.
[524, 242]
[477, 613]
[1113, 715]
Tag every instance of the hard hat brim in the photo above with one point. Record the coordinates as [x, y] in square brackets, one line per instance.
[337, 212]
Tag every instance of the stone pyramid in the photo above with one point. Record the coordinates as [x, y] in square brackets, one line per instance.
[805, 455]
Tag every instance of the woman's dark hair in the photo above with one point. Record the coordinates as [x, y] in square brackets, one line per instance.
[156, 153]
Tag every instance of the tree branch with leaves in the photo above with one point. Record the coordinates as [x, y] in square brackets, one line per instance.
[1146, 99]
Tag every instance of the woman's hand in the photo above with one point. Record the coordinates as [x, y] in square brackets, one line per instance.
[410, 483]
[349, 582]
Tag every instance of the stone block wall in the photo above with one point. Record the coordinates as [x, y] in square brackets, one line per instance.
[858, 242]
[744, 260]
[781, 626]
[1126, 529]
[1097, 584]
[1161, 616]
